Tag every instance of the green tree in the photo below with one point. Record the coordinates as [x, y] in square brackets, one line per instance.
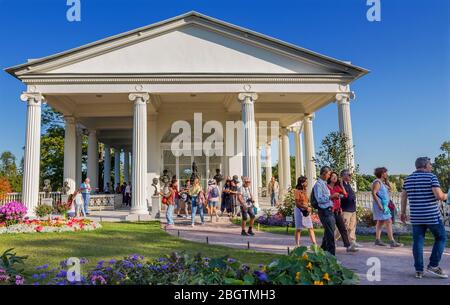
[334, 152]
[9, 170]
[441, 166]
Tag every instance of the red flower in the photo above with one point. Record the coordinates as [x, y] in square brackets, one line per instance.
[39, 228]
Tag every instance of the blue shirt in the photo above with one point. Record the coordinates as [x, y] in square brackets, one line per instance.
[423, 207]
[322, 194]
[85, 186]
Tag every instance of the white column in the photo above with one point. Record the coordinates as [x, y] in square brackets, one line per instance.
[126, 166]
[309, 151]
[154, 162]
[70, 146]
[286, 159]
[258, 161]
[31, 159]
[268, 163]
[139, 174]
[92, 162]
[299, 169]
[107, 168]
[79, 157]
[249, 159]
[116, 166]
[345, 127]
[280, 166]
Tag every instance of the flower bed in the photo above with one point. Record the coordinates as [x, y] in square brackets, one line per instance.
[53, 225]
[301, 267]
[13, 220]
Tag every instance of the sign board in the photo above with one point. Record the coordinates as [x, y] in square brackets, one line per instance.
[289, 219]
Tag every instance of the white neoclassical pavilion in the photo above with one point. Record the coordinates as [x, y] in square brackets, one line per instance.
[127, 90]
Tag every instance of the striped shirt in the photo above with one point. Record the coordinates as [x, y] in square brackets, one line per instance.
[422, 202]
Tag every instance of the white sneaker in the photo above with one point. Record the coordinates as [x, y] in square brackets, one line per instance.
[192, 225]
[357, 245]
[437, 271]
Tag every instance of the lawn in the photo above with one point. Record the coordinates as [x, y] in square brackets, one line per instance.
[114, 240]
[407, 240]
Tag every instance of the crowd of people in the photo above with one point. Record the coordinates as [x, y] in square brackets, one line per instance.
[332, 196]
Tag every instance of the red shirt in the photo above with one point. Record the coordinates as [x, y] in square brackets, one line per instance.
[337, 202]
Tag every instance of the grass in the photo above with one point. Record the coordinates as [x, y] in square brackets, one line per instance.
[114, 240]
[405, 239]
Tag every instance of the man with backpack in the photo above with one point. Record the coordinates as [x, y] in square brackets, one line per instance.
[213, 198]
[322, 200]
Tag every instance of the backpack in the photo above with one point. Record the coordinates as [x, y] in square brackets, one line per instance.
[313, 200]
[215, 192]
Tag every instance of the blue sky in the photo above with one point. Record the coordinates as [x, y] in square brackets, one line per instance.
[402, 107]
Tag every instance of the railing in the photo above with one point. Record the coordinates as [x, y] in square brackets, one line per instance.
[56, 196]
[97, 201]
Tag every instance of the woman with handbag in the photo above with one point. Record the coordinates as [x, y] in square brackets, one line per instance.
[302, 211]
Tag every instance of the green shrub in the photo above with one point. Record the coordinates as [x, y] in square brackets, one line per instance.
[43, 210]
[365, 217]
[286, 208]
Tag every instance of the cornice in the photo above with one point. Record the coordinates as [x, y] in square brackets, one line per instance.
[183, 79]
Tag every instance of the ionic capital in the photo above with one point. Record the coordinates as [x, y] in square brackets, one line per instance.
[345, 97]
[33, 98]
[309, 116]
[247, 97]
[139, 97]
[69, 119]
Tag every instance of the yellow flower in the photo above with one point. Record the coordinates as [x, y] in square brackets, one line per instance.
[263, 268]
[319, 283]
[297, 276]
[216, 270]
[305, 256]
[326, 277]
[309, 266]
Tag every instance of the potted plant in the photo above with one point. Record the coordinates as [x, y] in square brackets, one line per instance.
[44, 210]
[62, 208]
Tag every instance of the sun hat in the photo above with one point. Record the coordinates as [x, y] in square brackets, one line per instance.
[236, 179]
[211, 182]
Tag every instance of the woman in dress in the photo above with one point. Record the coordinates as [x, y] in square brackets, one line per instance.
[301, 209]
[227, 197]
[380, 208]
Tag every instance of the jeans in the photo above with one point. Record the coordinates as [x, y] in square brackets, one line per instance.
[79, 210]
[194, 210]
[329, 224]
[273, 199]
[340, 225]
[440, 237]
[169, 214]
[86, 198]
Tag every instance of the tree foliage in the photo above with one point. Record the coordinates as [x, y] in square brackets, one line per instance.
[10, 172]
[441, 166]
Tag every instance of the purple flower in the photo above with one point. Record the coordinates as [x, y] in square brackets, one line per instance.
[62, 273]
[19, 280]
[262, 276]
[113, 261]
[231, 260]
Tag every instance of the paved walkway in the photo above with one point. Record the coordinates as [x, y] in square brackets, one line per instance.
[396, 264]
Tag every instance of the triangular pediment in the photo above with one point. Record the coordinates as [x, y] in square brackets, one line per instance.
[188, 44]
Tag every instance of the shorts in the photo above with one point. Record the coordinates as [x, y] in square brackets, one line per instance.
[212, 203]
[245, 212]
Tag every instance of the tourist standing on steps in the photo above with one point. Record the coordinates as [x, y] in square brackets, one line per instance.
[324, 199]
[423, 190]
[127, 194]
[273, 190]
[302, 211]
[234, 191]
[247, 204]
[335, 186]
[86, 193]
[380, 206]
[194, 193]
[213, 198]
[348, 205]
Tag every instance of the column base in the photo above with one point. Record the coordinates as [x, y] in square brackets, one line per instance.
[139, 217]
